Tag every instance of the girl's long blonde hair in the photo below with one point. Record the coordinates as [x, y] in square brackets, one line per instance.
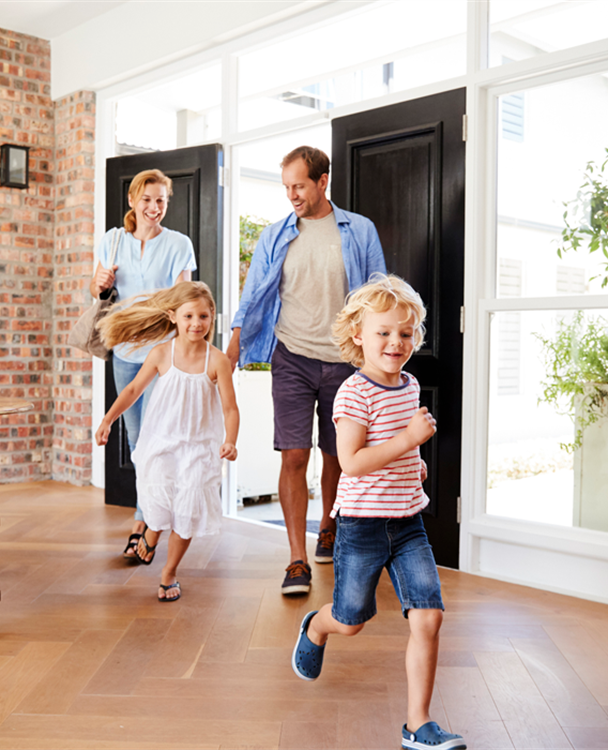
[136, 190]
[144, 319]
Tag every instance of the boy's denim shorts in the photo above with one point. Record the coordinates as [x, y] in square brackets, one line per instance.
[364, 546]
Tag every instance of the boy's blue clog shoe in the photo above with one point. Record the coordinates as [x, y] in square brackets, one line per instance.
[307, 657]
[431, 735]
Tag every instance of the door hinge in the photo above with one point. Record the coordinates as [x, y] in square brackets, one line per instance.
[223, 323]
[458, 509]
[462, 319]
[465, 127]
[223, 177]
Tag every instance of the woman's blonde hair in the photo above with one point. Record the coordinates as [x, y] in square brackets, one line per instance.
[144, 319]
[136, 190]
[381, 293]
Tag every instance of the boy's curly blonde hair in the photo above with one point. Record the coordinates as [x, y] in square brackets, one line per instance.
[381, 293]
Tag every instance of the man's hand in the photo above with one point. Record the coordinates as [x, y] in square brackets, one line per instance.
[234, 348]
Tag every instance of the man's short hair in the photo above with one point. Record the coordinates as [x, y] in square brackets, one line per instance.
[381, 293]
[316, 160]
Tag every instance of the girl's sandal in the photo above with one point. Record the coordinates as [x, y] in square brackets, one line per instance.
[166, 588]
[149, 549]
[131, 545]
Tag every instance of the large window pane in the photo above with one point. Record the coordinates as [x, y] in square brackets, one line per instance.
[546, 137]
[532, 475]
[407, 43]
[184, 112]
[520, 29]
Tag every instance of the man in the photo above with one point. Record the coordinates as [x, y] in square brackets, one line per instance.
[302, 269]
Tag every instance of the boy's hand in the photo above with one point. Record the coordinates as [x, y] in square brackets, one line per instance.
[103, 433]
[228, 450]
[422, 426]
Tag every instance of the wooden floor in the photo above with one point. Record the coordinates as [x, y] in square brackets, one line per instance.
[90, 659]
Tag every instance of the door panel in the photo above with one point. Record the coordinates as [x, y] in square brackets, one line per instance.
[195, 209]
[402, 166]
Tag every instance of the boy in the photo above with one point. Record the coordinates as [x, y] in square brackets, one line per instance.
[379, 430]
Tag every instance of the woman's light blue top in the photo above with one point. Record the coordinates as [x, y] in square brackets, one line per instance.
[165, 257]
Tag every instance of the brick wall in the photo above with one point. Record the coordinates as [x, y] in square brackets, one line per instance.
[46, 258]
[26, 259]
[74, 256]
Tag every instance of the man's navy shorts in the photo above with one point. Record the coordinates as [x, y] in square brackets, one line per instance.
[298, 383]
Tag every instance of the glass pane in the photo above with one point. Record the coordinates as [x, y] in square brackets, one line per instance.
[535, 471]
[189, 105]
[546, 137]
[407, 44]
[520, 29]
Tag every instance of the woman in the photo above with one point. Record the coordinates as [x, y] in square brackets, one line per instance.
[149, 257]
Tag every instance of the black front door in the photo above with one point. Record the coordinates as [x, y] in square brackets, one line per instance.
[402, 166]
[195, 210]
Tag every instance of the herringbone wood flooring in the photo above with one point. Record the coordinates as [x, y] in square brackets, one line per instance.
[90, 659]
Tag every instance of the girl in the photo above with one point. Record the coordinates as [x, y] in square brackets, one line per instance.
[149, 257]
[182, 440]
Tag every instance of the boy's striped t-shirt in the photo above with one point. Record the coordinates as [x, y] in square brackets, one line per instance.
[394, 491]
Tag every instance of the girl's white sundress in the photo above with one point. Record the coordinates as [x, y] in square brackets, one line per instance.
[179, 469]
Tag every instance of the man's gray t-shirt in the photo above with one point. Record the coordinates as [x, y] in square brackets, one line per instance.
[312, 290]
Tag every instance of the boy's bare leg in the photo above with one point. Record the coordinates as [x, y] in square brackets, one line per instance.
[293, 494]
[323, 624]
[421, 664]
[177, 550]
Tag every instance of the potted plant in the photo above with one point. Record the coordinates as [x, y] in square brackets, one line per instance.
[576, 361]
[576, 357]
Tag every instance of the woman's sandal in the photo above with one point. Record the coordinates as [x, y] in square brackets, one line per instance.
[131, 544]
[149, 549]
[166, 588]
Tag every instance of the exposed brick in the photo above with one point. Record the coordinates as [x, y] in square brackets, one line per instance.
[45, 236]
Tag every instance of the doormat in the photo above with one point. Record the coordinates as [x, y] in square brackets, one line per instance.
[311, 526]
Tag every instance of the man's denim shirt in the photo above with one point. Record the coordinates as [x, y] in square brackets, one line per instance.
[260, 305]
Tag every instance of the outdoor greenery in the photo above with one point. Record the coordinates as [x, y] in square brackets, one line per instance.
[576, 360]
[586, 217]
[250, 229]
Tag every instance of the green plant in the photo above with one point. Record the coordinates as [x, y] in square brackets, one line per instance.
[576, 358]
[250, 229]
[586, 217]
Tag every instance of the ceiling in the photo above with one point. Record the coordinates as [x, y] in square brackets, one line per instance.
[47, 19]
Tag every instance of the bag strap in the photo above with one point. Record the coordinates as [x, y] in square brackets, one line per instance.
[116, 234]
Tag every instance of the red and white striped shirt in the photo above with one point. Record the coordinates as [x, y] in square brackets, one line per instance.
[394, 491]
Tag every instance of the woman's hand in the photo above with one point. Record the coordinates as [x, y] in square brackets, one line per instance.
[228, 450]
[103, 279]
[103, 433]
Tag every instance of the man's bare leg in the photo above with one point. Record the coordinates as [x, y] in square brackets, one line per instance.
[329, 486]
[293, 494]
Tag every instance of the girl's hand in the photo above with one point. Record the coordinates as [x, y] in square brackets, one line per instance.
[423, 471]
[228, 450]
[422, 426]
[103, 433]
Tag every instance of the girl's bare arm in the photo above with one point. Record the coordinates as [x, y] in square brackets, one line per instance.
[356, 459]
[225, 387]
[129, 395]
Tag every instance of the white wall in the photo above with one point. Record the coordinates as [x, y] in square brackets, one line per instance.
[136, 37]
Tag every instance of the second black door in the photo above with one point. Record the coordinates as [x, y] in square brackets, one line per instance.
[402, 166]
